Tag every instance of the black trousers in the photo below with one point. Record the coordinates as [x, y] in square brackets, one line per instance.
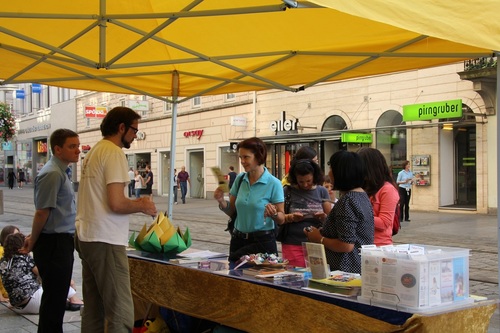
[239, 247]
[54, 256]
[404, 201]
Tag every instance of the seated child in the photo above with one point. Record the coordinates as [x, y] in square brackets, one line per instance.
[20, 278]
[10, 229]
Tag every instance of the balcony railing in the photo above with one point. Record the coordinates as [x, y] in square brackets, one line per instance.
[480, 63]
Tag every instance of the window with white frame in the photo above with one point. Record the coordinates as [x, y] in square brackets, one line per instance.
[167, 107]
[229, 97]
[196, 102]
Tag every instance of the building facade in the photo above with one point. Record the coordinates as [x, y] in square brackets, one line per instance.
[38, 111]
[453, 154]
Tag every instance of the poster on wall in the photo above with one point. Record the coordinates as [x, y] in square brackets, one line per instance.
[421, 168]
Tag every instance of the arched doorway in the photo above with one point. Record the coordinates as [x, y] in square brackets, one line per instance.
[391, 140]
[331, 143]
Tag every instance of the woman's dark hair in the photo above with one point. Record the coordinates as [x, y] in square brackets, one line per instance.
[6, 231]
[348, 170]
[13, 243]
[376, 168]
[305, 152]
[305, 167]
[405, 163]
[257, 147]
[118, 115]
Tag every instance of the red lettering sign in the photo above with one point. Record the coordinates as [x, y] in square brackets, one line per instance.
[95, 111]
[196, 133]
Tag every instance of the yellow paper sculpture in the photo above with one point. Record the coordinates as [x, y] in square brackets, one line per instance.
[161, 237]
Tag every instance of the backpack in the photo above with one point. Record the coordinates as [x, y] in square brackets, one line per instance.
[396, 224]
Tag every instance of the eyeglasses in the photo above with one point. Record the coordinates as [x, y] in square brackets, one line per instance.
[134, 129]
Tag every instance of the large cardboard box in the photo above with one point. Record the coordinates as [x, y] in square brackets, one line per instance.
[415, 277]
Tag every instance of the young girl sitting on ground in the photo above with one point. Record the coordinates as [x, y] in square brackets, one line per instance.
[7, 230]
[20, 278]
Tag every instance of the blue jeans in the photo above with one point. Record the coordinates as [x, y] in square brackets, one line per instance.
[137, 193]
[131, 187]
[184, 190]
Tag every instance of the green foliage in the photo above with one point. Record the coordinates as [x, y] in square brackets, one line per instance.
[7, 123]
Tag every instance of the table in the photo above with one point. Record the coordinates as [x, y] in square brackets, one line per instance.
[257, 306]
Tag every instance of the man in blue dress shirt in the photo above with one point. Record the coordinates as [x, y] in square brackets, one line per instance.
[52, 234]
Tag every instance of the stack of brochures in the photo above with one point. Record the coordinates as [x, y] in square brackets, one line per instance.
[338, 283]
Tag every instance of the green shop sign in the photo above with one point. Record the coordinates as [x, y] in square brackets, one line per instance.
[436, 110]
[356, 138]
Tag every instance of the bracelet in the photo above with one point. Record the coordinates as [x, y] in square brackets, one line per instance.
[321, 241]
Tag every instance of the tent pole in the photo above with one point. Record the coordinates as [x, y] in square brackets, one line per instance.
[175, 95]
[497, 54]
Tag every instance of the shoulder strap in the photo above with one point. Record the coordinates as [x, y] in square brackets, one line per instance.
[288, 193]
[239, 182]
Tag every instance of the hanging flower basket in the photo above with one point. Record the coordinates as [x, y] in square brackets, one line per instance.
[7, 123]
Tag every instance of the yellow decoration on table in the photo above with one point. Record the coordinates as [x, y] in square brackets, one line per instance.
[161, 237]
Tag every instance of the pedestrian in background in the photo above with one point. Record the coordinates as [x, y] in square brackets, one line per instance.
[131, 185]
[20, 178]
[149, 182]
[102, 226]
[404, 181]
[138, 184]
[11, 176]
[175, 186]
[182, 181]
[232, 176]
[53, 229]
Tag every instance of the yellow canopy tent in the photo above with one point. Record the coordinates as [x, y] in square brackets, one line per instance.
[222, 46]
[185, 48]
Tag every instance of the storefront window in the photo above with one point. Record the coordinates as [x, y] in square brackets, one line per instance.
[391, 141]
[25, 158]
[228, 157]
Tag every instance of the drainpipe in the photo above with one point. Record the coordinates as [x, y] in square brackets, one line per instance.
[254, 113]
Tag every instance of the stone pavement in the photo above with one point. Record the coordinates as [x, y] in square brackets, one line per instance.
[206, 223]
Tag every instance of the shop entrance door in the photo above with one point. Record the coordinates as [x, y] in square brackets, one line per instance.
[196, 175]
[165, 172]
[465, 172]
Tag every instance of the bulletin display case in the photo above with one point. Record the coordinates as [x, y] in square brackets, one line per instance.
[421, 168]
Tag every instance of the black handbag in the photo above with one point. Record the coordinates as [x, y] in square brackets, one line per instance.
[282, 232]
[232, 218]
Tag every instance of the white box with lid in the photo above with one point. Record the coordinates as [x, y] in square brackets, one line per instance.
[415, 277]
